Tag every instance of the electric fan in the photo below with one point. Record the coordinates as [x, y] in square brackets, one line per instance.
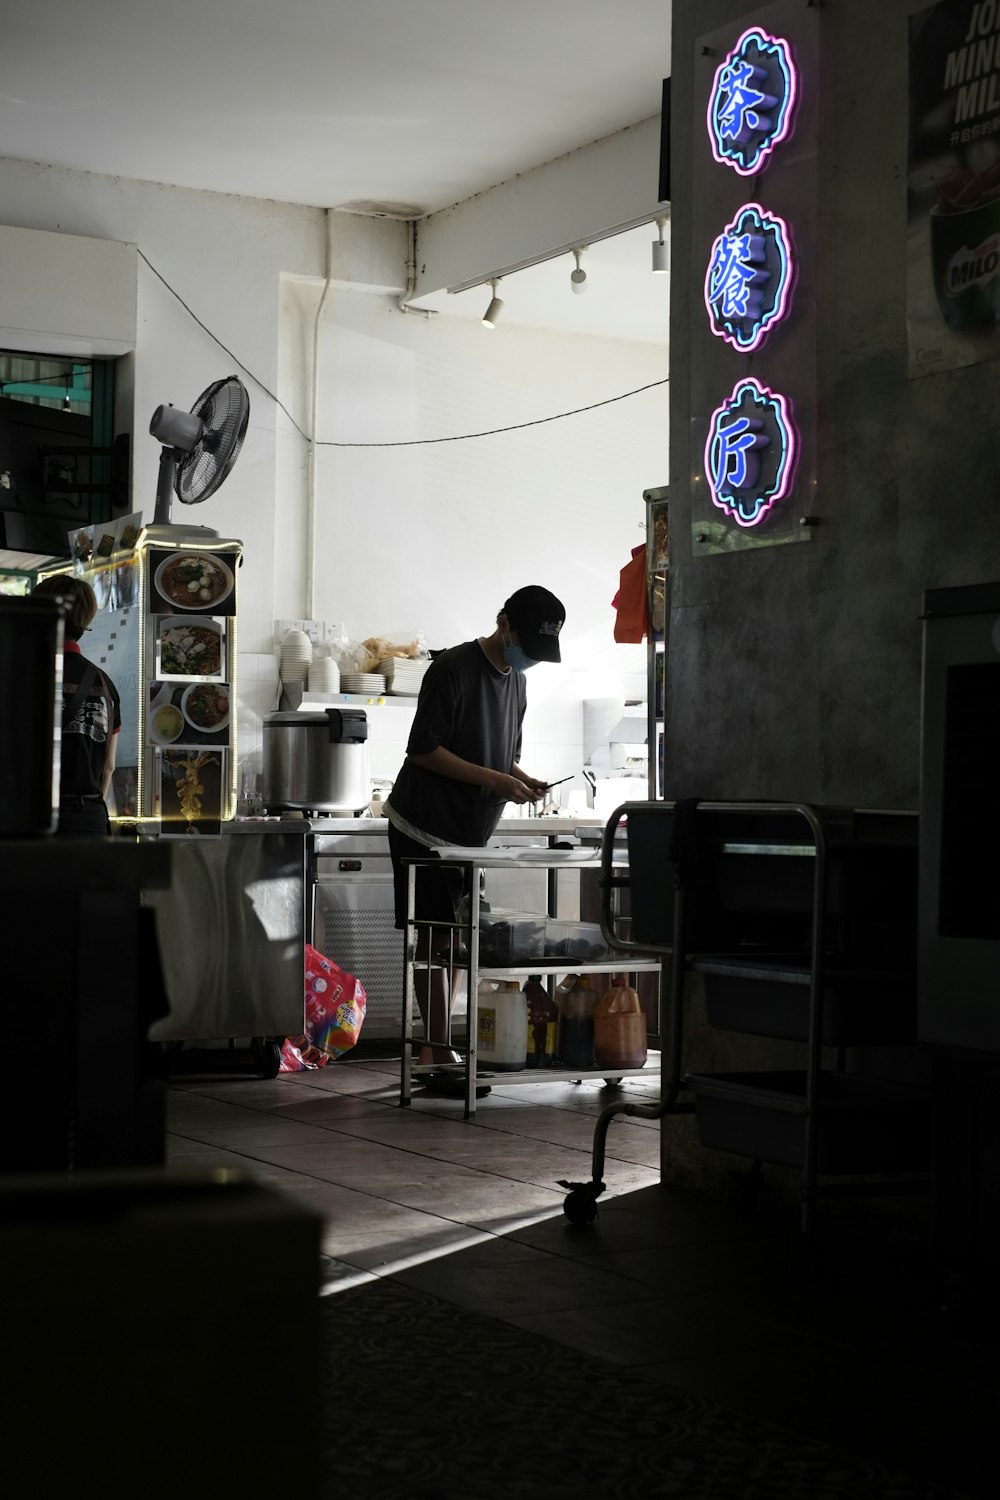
[199, 446]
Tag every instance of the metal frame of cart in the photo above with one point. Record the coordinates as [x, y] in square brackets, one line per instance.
[475, 861]
[812, 1109]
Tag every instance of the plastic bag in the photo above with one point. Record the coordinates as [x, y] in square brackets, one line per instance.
[335, 1004]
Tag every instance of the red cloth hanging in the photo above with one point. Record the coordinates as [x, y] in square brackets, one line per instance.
[631, 600]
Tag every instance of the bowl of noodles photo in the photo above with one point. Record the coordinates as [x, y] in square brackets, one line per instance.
[205, 706]
[190, 647]
[194, 580]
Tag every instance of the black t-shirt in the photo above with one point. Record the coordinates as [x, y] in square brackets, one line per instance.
[85, 738]
[476, 712]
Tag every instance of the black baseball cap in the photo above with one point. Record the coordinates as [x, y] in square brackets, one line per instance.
[537, 616]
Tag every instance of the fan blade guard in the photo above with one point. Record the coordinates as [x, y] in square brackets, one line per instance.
[224, 412]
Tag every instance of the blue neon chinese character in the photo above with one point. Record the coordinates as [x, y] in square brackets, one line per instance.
[740, 110]
[732, 274]
[733, 465]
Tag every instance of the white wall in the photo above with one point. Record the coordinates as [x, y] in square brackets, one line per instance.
[432, 537]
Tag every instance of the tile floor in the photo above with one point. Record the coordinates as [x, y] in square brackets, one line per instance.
[665, 1286]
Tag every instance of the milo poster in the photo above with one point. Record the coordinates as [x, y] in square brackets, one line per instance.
[953, 181]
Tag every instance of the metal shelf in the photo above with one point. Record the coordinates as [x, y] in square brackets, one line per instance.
[613, 963]
[623, 965]
[541, 1075]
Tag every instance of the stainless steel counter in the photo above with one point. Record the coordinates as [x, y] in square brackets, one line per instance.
[232, 930]
[585, 827]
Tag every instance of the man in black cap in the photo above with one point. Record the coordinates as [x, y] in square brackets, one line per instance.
[461, 766]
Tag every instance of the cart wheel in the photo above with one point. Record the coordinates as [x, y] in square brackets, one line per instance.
[580, 1208]
[266, 1056]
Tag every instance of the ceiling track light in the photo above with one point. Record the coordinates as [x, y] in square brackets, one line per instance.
[495, 308]
[578, 278]
[660, 265]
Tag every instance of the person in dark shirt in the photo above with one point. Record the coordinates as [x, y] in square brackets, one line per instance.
[461, 766]
[91, 718]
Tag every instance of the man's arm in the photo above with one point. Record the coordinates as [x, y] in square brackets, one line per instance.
[512, 788]
[109, 763]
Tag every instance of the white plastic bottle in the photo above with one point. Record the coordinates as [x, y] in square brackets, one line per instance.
[502, 1030]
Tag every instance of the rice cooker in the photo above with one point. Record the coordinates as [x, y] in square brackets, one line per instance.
[317, 761]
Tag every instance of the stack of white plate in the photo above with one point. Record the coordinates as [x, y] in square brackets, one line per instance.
[365, 683]
[296, 655]
[404, 674]
[324, 675]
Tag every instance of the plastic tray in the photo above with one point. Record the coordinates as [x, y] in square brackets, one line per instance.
[510, 937]
[575, 940]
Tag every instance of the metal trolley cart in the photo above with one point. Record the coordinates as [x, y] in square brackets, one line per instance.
[801, 922]
[463, 952]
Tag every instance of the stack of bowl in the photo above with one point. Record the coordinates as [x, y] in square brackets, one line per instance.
[324, 675]
[296, 656]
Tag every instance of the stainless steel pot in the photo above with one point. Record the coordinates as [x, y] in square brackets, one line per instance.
[317, 762]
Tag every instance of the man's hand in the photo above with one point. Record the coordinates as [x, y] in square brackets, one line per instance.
[510, 789]
[537, 788]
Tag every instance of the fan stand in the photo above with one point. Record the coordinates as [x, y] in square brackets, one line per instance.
[165, 487]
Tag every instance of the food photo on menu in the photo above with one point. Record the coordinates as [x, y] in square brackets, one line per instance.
[192, 582]
[188, 713]
[190, 793]
[189, 647]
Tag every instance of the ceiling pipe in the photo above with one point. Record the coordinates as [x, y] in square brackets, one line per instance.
[403, 302]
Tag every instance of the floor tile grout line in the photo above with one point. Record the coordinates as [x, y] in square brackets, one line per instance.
[375, 1198]
[269, 1114]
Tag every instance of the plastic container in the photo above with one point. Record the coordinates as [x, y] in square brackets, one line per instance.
[619, 1029]
[502, 1026]
[543, 1025]
[576, 1022]
[579, 940]
[510, 937]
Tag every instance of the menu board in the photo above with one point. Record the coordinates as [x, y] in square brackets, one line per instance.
[190, 596]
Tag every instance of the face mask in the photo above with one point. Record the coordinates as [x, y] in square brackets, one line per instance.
[518, 658]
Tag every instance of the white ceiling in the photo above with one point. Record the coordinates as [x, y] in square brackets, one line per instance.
[406, 104]
[418, 103]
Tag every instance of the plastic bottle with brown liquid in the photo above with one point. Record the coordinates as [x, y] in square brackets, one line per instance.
[619, 1028]
[576, 1023]
[543, 1024]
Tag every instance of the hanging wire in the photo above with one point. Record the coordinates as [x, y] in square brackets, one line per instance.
[461, 437]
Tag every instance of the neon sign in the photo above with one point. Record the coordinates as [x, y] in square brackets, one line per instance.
[752, 101]
[750, 452]
[749, 278]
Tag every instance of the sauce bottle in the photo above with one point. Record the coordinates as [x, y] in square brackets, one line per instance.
[576, 1024]
[543, 1024]
[619, 1028]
